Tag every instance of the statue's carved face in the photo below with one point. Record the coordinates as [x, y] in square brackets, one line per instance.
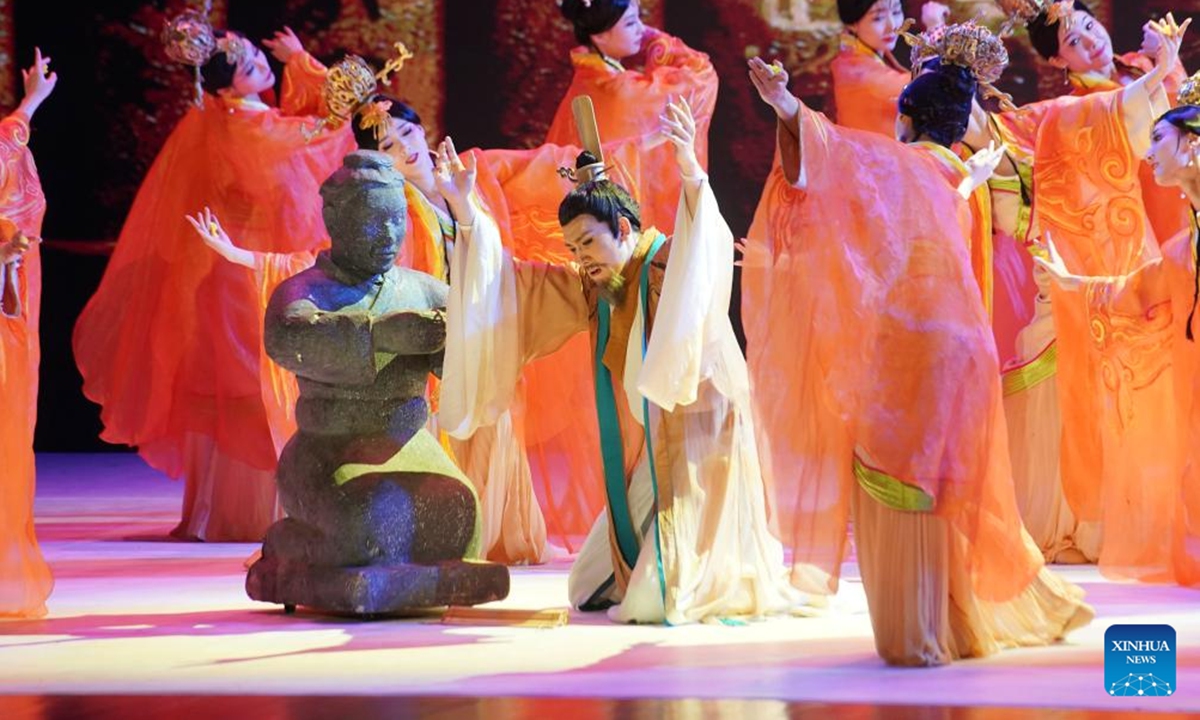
[600, 254]
[367, 238]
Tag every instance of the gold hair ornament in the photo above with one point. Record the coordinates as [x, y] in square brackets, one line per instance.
[1023, 12]
[188, 38]
[349, 85]
[969, 45]
[396, 64]
[1189, 92]
[375, 118]
[234, 48]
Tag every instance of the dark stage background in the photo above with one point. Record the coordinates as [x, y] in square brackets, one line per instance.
[490, 72]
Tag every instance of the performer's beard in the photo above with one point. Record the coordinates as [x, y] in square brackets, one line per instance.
[612, 289]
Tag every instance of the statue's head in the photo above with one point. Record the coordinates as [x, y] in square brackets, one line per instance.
[365, 213]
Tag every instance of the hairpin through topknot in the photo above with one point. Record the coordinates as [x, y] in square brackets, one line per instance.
[592, 172]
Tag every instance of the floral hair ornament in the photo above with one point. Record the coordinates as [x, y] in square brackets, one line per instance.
[351, 84]
[375, 118]
[1023, 12]
[969, 45]
[234, 48]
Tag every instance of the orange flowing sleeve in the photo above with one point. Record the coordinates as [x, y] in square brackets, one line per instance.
[522, 190]
[303, 80]
[279, 388]
[1088, 199]
[1088, 193]
[25, 579]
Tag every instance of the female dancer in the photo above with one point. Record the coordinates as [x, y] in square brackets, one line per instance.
[628, 101]
[1070, 38]
[1165, 286]
[886, 397]
[169, 344]
[25, 580]
[1114, 382]
[867, 78]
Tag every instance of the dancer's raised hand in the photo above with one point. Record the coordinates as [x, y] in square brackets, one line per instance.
[16, 247]
[284, 44]
[679, 128]
[456, 180]
[771, 83]
[208, 227]
[39, 82]
[980, 167]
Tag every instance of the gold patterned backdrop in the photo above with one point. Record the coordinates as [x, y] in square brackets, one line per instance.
[491, 72]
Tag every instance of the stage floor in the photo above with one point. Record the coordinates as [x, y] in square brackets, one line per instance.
[135, 613]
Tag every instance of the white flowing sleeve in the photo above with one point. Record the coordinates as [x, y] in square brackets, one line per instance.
[482, 363]
[1139, 109]
[691, 324]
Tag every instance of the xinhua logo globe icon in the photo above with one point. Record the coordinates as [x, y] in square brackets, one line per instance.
[1139, 661]
[1140, 684]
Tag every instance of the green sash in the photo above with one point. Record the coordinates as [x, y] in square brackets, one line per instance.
[611, 445]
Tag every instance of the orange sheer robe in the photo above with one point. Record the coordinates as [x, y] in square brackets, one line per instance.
[169, 345]
[1023, 324]
[25, 580]
[876, 386]
[494, 457]
[866, 87]
[1164, 288]
[1114, 371]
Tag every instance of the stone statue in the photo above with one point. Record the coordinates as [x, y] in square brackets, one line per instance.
[380, 518]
